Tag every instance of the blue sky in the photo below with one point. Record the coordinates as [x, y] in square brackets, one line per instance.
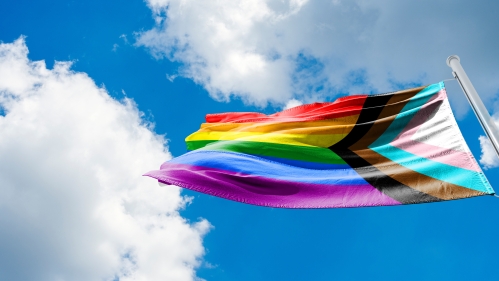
[178, 63]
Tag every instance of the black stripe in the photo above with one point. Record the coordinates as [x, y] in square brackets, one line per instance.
[372, 108]
[370, 111]
[390, 187]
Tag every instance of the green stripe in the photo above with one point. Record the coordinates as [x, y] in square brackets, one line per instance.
[302, 153]
[193, 145]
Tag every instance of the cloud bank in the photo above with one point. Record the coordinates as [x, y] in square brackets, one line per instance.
[73, 203]
[274, 51]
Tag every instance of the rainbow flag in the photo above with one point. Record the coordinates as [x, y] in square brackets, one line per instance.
[363, 150]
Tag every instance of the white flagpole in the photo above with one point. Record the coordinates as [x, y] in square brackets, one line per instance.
[476, 103]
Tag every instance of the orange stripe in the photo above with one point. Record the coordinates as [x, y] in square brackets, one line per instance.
[326, 127]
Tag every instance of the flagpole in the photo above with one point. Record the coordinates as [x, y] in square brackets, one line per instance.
[476, 103]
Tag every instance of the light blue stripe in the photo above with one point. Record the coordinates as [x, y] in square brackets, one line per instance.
[462, 177]
[257, 166]
[407, 113]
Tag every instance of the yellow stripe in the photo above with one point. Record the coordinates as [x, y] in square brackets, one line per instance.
[290, 139]
[331, 126]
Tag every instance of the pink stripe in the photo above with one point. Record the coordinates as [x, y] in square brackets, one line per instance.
[447, 156]
[443, 155]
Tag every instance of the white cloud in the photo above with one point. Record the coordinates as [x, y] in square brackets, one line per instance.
[489, 158]
[275, 50]
[292, 103]
[73, 203]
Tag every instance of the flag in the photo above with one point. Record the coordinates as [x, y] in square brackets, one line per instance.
[362, 150]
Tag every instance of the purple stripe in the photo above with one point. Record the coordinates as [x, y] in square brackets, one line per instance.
[269, 192]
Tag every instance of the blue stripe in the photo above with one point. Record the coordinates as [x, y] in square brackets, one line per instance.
[462, 177]
[253, 165]
[305, 164]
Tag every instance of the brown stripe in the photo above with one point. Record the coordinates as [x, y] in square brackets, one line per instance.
[386, 117]
[390, 187]
[420, 182]
[398, 101]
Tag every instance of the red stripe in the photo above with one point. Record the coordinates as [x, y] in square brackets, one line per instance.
[342, 107]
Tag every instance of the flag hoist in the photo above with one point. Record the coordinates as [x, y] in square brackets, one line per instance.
[476, 103]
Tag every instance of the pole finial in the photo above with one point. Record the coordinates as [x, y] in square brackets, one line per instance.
[452, 57]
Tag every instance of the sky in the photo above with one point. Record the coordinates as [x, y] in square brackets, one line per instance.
[95, 93]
